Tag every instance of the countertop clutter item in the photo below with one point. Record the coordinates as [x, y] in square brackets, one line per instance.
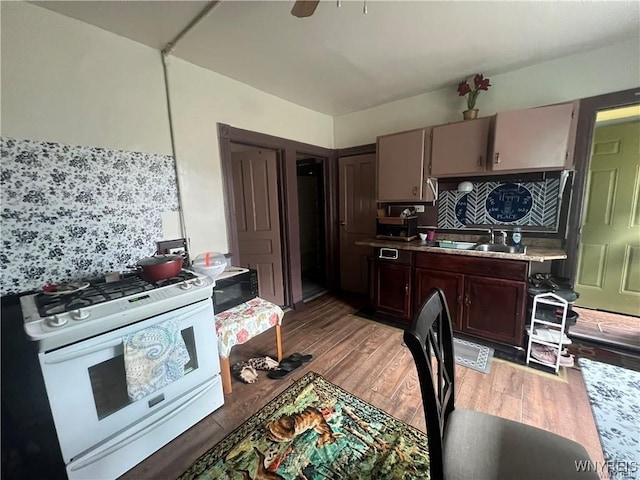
[211, 264]
[397, 228]
[64, 289]
[160, 267]
[458, 245]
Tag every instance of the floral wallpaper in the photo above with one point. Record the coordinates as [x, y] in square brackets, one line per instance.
[72, 212]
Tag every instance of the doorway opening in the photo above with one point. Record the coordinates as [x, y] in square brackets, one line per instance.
[311, 216]
[608, 267]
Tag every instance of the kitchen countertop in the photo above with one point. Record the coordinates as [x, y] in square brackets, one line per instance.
[534, 254]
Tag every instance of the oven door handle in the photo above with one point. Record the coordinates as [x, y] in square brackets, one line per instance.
[94, 457]
[71, 353]
[61, 357]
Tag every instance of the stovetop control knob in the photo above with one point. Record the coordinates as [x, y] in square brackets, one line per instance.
[198, 282]
[185, 285]
[55, 321]
[80, 314]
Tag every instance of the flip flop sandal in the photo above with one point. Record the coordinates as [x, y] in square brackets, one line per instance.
[278, 374]
[299, 357]
[288, 365]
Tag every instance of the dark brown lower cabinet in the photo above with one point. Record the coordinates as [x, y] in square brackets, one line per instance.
[392, 294]
[485, 296]
[494, 309]
[450, 283]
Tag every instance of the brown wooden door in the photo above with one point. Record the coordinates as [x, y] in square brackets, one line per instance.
[532, 139]
[494, 309]
[450, 283]
[255, 185]
[401, 166]
[357, 177]
[460, 148]
[393, 289]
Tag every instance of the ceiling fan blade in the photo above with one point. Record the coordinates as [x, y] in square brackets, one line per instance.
[304, 8]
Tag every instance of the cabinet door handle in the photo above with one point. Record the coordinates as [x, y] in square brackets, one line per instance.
[480, 160]
[467, 302]
[497, 160]
[406, 288]
[415, 191]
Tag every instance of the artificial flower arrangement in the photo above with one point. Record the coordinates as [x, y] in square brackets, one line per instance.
[479, 82]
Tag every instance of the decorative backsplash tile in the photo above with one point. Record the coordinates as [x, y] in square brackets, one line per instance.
[533, 204]
[71, 212]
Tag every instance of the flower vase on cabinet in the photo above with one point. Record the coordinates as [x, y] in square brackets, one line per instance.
[470, 114]
[464, 90]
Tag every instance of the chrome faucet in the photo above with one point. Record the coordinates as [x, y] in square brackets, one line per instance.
[491, 235]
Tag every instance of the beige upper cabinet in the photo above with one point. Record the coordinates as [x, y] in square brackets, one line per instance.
[460, 148]
[401, 162]
[533, 139]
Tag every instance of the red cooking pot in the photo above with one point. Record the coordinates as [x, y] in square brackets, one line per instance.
[160, 267]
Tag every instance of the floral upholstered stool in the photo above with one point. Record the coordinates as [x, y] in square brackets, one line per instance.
[240, 324]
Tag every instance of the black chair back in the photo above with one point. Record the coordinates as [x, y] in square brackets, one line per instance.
[430, 334]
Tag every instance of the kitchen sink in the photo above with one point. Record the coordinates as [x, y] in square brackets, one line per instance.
[497, 247]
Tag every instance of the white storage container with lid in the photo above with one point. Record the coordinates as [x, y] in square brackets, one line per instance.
[210, 264]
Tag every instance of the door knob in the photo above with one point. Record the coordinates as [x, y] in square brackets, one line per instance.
[343, 223]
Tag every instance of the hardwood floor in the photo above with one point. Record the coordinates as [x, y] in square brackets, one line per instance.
[606, 327]
[367, 359]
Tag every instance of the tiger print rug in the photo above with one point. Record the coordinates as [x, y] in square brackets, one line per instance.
[315, 430]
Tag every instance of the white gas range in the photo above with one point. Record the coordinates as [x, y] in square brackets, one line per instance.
[102, 431]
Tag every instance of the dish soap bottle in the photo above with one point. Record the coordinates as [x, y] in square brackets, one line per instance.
[516, 238]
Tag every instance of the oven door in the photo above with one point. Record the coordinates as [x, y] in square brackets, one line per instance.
[87, 389]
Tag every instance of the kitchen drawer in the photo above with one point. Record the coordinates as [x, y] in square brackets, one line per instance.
[486, 267]
[394, 255]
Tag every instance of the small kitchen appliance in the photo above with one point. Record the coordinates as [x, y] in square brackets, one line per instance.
[397, 228]
[101, 431]
[234, 286]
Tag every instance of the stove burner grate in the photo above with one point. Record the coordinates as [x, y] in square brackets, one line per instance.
[99, 291]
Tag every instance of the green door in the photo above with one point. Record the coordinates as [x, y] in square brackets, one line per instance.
[608, 276]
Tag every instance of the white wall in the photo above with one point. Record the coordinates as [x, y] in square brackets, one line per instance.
[66, 81]
[200, 98]
[609, 69]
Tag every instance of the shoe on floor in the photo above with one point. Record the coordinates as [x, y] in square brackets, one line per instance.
[262, 363]
[245, 373]
[300, 357]
[548, 355]
[550, 335]
[543, 353]
[566, 361]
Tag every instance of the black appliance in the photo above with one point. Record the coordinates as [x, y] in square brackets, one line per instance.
[397, 228]
[234, 290]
